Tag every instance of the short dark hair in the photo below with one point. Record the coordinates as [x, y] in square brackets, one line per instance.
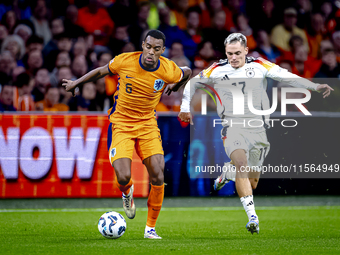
[100, 54]
[156, 34]
[63, 35]
[22, 80]
[193, 9]
[34, 39]
[48, 87]
[294, 38]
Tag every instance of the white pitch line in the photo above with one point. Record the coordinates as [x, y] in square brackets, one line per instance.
[174, 209]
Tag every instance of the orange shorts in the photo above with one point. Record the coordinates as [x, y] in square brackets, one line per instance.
[121, 141]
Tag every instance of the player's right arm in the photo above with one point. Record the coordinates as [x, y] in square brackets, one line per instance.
[188, 93]
[197, 82]
[279, 74]
[93, 75]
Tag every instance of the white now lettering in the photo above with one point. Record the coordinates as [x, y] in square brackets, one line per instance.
[76, 150]
[238, 101]
[39, 138]
[9, 153]
[297, 101]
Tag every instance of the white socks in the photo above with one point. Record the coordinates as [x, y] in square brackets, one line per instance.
[148, 229]
[248, 205]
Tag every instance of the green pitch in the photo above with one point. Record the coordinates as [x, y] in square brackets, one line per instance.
[211, 230]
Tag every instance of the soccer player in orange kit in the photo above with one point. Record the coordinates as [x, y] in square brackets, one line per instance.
[143, 76]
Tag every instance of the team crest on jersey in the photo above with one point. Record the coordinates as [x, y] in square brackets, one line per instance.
[113, 152]
[250, 72]
[158, 84]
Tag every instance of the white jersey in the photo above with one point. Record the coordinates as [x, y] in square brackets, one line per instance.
[249, 80]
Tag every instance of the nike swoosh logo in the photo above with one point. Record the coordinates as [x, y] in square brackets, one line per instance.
[129, 77]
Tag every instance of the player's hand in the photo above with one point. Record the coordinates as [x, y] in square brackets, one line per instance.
[185, 117]
[325, 89]
[69, 86]
[170, 88]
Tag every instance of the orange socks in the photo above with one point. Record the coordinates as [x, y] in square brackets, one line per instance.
[154, 204]
[124, 188]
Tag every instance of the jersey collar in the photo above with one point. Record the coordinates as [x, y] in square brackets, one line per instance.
[149, 70]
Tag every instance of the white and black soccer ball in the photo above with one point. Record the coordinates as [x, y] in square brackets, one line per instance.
[112, 225]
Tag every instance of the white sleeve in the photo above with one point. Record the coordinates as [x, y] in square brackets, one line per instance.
[280, 74]
[190, 89]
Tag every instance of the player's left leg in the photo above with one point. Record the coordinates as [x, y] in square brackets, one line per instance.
[155, 167]
[244, 186]
[149, 148]
[248, 204]
[238, 144]
[259, 149]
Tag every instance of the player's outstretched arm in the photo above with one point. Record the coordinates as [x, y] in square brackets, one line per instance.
[174, 87]
[93, 75]
[188, 93]
[185, 114]
[294, 80]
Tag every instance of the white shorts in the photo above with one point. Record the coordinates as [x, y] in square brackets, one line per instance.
[255, 145]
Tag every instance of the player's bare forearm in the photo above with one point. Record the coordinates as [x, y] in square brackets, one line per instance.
[186, 77]
[93, 75]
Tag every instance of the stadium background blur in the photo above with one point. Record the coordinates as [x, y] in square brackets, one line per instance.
[44, 41]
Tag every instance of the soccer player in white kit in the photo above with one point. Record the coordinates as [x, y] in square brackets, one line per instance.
[246, 145]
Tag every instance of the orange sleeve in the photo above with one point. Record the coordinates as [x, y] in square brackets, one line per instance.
[111, 82]
[114, 65]
[175, 73]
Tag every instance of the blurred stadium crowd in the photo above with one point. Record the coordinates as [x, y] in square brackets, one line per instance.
[45, 41]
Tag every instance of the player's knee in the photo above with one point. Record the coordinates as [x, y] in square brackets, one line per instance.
[123, 179]
[157, 178]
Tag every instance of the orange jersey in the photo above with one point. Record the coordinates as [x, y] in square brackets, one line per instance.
[139, 90]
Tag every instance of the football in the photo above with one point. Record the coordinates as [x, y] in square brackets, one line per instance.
[112, 225]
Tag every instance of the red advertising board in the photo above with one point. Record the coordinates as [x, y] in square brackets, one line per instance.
[60, 156]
